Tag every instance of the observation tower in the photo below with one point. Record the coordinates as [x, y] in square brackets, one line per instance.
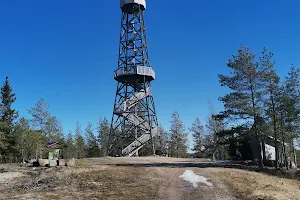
[134, 122]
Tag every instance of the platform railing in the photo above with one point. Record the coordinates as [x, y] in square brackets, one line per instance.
[137, 70]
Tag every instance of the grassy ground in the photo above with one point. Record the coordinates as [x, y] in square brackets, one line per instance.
[252, 185]
[143, 178]
[81, 183]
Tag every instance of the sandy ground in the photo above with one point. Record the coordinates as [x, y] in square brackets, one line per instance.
[6, 177]
[142, 178]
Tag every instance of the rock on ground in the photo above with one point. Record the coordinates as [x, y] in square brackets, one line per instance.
[52, 163]
[43, 162]
[61, 162]
[71, 163]
[32, 163]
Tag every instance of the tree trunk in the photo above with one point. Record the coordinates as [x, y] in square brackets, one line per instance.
[285, 162]
[153, 148]
[216, 150]
[295, 155]
[260, 162]
[23, 156]
[275, 131]
[263, 149]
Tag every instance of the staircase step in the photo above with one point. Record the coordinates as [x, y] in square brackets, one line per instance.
[138, 144]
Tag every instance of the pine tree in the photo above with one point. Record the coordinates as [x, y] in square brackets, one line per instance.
[3, 141]
[289, 112]
[35, 144]
[7, 118]
[79, 142]
[54, 129]
[197, 132]
[40, 116]
[291, 101]
[3, 146]
[178, 143]
[92, 144]
[47, 125]
[272, 92]
[70, 151]
[7, 99]
[161, 141]
[103, 134]
[21, 133]
[246, 83]
[43, 121]
[215, 125]
[29, 143]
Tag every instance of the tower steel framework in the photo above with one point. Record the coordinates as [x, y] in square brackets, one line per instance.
[134, 122]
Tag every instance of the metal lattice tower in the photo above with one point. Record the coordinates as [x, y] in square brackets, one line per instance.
[134, 122]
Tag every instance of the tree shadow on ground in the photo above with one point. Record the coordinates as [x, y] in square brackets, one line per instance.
[291, 174]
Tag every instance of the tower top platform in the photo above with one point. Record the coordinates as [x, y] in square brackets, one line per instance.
[131, 6]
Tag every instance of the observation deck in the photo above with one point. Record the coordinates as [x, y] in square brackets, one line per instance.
[135, 74]
[132, 6]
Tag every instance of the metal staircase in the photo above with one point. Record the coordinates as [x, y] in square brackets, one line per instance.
[138, 143]
[136, 98]
[137, 121]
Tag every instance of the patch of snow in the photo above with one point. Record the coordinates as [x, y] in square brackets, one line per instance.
[190, 176]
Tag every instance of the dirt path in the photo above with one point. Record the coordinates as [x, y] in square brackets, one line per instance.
[169, 187]
[164, 174]
[174, 188]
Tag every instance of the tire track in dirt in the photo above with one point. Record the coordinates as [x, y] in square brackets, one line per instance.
[169, 183]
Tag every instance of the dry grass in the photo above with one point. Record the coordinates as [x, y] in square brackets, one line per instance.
[82, 183]
[81, 163]
[112, 179]
[252, 185]
[118, 183]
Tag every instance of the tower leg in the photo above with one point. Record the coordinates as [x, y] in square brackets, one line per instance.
[153, 148]
[136, 137]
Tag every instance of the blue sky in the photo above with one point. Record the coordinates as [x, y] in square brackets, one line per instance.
[66, 51]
